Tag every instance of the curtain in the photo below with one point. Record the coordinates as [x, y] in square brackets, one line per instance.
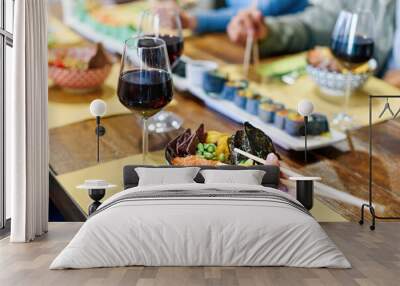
[26, 123]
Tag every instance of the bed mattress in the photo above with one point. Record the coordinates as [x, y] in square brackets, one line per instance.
[201, 225]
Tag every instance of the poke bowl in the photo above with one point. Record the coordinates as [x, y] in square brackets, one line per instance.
[212, 148]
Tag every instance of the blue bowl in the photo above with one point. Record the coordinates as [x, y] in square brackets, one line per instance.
[213, 83]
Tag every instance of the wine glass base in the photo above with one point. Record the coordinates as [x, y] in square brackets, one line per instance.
[164, 122]
[343, 122]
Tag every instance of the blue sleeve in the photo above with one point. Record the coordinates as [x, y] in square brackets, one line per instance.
[214, 20]
[218, 20]
[282, 7]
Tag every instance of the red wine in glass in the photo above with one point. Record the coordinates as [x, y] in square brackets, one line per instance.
[352, 44]
[165, 24]
[174, 47]
[358, 52]
[145, 91]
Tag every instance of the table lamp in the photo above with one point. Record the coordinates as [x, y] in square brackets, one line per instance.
[97, 190]
[98, 109]
[305, 108]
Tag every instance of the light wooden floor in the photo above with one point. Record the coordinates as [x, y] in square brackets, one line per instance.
[375, 257]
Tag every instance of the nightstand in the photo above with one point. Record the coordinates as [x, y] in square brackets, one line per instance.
[96, 190]
[305, 190]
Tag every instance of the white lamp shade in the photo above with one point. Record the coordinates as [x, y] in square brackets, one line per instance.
[98, 107]
[305, 107]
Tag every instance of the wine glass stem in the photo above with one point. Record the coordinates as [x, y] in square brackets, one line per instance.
[348, 94]
[145, 141]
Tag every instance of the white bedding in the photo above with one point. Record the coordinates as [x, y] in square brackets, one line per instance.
[188, 231]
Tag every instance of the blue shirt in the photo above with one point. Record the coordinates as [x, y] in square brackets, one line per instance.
[394, 60]
[218, 20]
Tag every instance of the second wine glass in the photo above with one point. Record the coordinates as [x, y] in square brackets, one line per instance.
[352, 44]
[145, 80]
[164, 24]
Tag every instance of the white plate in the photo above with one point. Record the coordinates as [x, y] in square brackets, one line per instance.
[239, 115]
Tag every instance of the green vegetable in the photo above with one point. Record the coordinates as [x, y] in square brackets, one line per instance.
[221, 157]
[247, 163]
[211, 148]
[200, 147]
[208, 155]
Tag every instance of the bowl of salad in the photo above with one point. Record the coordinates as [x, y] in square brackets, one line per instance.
[79, 68]
[331, 76]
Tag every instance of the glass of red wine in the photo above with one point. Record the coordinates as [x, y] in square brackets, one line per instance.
[165, 24]
[145, 81]
[352, 44]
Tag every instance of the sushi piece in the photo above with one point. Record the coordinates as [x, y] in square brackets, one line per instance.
[214, 82]
[317, 124]
[266, 100]
[253, 103]
[294, 124]
[241, 97]
[232, 87]
[280, 118]
[267, 111]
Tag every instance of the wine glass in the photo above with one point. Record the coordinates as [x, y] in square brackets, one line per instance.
[145, 80]
[165, 24]
[352, 44]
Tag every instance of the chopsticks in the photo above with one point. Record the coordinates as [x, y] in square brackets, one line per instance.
[320, 189]
[247, 55]
[285, 171]
[250, 156]
[251, 48]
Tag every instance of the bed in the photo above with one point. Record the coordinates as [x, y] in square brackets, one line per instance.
[199, 224]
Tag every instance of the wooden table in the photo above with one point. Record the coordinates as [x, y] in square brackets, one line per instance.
[72, 147]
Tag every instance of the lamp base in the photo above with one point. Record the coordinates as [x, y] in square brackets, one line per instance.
[96, 195]
[305, 193]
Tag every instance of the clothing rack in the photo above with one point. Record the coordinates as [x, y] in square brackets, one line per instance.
[369, 205]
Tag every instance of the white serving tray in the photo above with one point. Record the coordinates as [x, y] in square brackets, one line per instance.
[110, 43]
[239, 115]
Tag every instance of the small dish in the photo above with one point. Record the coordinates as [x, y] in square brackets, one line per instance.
[78, 78]
[196, 70]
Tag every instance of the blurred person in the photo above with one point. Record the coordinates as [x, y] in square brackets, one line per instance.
[208, 21]
[314, 26]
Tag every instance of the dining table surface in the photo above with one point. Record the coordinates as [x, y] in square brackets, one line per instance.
[343, 166]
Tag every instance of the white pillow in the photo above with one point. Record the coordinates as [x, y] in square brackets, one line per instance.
[166, 176]
[242, 177]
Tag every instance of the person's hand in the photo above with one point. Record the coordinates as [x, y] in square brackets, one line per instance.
[188, 21]
[393, 77]
[247, 22]
[273, 160]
